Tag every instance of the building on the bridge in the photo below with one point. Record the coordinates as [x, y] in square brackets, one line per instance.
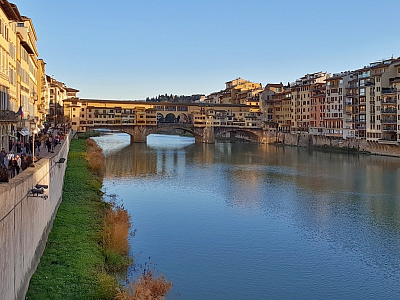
[86, 114]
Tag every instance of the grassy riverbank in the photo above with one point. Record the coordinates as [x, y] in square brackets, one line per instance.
[73, 264]
[89, 240]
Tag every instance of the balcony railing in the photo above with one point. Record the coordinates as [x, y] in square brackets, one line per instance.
[389, 111]
[8, 115]
[389, 128]
[388, 91]
[389, 100]
[389, 121]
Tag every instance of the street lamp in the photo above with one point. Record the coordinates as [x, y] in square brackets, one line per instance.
[34, 130]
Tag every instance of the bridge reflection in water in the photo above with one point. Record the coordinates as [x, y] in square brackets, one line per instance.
[170, 155]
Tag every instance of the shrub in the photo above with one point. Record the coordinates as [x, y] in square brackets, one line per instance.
[95, 157]
[108, 286]
[116, 227]
[147, 287]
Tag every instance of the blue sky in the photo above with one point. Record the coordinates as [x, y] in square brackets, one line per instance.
[134, 49]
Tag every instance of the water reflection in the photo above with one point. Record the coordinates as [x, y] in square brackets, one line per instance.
[249, 172]
[334, 207]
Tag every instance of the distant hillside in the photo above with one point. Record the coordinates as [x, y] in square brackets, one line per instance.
[174, 98]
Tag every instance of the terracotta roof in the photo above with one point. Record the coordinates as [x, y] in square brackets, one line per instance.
[11, 10]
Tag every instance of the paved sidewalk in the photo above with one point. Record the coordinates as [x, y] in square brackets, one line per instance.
[43, 153]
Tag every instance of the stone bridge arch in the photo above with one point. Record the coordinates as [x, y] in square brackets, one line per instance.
[254, 135]
[196, 132]
[139, 133]
[173, 117]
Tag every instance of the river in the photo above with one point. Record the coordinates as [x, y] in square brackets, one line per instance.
[250, 221]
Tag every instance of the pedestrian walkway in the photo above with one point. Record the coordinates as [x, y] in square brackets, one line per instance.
[44, 151]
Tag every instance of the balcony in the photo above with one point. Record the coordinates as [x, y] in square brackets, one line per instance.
[8, 115]
[364, 75]
[351, 95]
[388, 91]
[389, 128]
[41, 108]
[389, 121]
[389, 111]
[389, 100]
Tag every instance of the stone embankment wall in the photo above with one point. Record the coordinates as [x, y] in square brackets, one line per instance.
[356, 145]
[26, 221]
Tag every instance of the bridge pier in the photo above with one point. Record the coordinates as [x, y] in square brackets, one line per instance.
[208, 136]
[134, 139]
[139, 134]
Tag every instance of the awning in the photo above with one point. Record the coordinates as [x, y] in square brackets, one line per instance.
[24, 131]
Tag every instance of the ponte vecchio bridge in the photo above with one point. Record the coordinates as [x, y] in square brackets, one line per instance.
[205, 121]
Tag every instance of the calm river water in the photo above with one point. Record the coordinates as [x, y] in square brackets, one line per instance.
[249, 221]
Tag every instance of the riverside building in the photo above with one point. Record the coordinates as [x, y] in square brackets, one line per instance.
[360, 104]
[24, 86]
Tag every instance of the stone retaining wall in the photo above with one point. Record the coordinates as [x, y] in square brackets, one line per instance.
[26, 221]
[361, 145]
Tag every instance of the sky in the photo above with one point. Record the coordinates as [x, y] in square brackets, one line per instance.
[131, 49]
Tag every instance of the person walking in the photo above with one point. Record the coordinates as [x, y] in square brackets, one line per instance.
[18, 167]
[48, 144]
[2, 157]
[27, 149]
[24, 163]
[13, 167]
[8, 159]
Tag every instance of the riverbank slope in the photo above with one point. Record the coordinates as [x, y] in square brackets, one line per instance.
[73, 262]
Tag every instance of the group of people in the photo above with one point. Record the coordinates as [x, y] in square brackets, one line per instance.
[14, 164]
[21, 155]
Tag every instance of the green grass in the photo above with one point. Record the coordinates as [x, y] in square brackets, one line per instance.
[72, 266]
[88, 134]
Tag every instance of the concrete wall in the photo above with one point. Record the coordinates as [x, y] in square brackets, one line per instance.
[26, 221]
[307, 140]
